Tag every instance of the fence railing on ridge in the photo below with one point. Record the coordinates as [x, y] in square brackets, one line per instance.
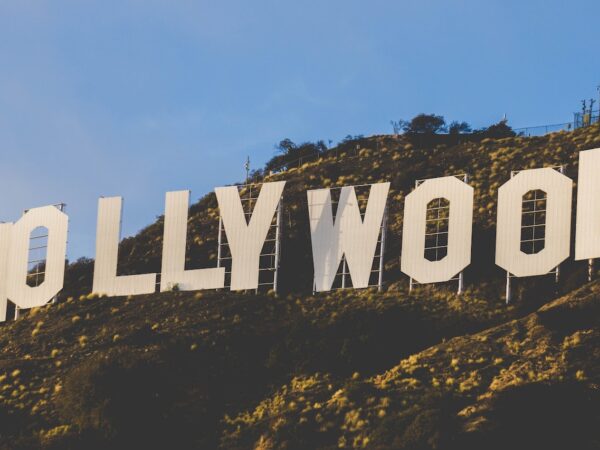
[538, 130]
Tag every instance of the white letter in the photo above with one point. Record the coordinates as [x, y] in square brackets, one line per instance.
[173, 256]
[460, 225]
[587, 242]
[57, 223]
[558, 222]
[349, 235]
[245, 239]
[108, 234]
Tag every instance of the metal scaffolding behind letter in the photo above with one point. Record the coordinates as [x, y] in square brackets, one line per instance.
[438, 217]
[533, 228]
[36, 259]
[271, 252]
[342, 278]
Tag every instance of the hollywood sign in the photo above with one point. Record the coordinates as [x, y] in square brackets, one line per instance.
[349, 235]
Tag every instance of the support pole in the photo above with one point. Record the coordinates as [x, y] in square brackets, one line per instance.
[461, 279]
[277, 245]
[382, 250]
[219, 242]
[61, 207]
[344, 273]
[590, 269]
[508, 290]
[561, 169]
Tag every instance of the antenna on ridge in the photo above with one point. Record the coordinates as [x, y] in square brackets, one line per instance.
[247, 167]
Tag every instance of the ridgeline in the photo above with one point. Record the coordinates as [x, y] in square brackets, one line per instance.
[346, 369]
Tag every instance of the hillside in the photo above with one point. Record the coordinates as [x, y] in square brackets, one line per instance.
[348, 369]
[368, 160]
[355, 369]
[529, 383]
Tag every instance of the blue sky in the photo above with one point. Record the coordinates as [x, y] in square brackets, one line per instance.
[136, 98]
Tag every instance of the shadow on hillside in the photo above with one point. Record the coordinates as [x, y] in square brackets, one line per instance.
[541, 416]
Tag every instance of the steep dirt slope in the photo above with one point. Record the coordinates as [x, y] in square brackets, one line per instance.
[529, 383]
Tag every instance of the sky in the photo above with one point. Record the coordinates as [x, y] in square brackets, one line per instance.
[137, 98]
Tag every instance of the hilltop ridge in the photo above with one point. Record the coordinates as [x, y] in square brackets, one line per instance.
[392, 158]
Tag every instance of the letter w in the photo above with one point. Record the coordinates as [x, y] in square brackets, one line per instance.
[348, 235]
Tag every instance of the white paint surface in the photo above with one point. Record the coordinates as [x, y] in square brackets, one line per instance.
[460, 224]
[246, 239]
[587, 243]
[108, 235]
[558, 189]
[173, 271]
[349, 235]
[17, 289]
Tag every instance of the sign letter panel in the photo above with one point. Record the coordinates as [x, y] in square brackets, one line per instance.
[173, 256]
[558, 222]
[57, 223]
[350, 235]
[246, 239]
[460, 198]
[108, 234]
[587, 244]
